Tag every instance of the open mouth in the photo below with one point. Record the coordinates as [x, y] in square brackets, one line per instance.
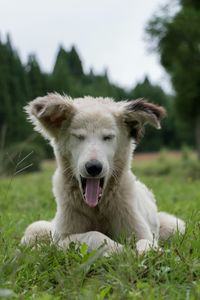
[92, 189]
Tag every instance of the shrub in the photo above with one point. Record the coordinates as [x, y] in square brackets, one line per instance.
[191, 169]
[161, 166]
[186, 153]
[20, 158]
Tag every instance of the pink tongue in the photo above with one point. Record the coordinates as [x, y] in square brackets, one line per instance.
[92, 191]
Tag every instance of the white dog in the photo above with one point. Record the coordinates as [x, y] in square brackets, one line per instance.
[98, 198]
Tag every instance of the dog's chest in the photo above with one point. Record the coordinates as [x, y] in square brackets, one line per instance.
[103, 225]
[99, 222]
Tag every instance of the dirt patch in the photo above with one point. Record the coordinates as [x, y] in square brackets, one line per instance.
[155, 155]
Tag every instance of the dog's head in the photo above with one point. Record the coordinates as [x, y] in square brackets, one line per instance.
[94, 137]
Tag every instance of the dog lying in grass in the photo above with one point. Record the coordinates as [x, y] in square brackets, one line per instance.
[98, 198]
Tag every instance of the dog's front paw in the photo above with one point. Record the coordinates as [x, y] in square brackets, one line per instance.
[143, 246]
[113, 248]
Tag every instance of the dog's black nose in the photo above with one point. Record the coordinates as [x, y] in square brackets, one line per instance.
[93, 167]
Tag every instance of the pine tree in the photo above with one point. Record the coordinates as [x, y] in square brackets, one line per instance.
[61, 78]
[75, 64]
[36, 79]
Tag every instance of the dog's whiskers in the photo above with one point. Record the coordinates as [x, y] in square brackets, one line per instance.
[69, 172]
[66, 169]
[115, 175]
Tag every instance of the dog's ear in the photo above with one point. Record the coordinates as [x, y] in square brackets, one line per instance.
[49, 112]
[139, 112]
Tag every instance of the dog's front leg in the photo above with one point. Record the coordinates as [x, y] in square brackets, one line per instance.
[94, 240]
[146, 240]
[144, 245]
[131, 222]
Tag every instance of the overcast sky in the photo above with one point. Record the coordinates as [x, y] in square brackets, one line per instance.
[107, 33]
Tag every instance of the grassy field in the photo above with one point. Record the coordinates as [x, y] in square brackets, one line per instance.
[46, 273]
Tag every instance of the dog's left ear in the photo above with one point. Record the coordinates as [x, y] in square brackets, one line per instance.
[139, 112]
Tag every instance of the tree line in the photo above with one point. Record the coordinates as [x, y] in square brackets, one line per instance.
[20, 83]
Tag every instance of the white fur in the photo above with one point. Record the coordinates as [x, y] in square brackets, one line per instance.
[77, 131]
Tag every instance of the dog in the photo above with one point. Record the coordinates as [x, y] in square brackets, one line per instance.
[98, 197]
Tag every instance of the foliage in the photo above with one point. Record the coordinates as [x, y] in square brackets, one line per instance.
[177, 38]
[37, 81]
[179, 164]
[48, 273]
[13, 93]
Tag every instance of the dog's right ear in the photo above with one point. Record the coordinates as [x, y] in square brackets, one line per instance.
[49, 112]
[137, 113]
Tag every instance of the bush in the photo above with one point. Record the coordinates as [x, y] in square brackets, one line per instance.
[191, 169]
[162, 165]
[186, 153]
[21, 158]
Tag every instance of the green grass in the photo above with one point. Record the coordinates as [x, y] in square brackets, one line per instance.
[46, 273]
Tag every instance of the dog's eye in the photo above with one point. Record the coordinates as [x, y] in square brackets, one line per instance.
[79, 137]
[108, 137]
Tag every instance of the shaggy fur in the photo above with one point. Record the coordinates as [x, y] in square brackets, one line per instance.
[87, 129]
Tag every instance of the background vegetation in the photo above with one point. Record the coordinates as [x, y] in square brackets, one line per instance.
[175, 35]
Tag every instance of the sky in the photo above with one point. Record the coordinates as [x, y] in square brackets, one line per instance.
[108, 34]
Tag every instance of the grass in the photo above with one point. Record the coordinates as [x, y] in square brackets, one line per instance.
[46, 273]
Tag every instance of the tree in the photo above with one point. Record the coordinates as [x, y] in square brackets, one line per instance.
[36, 79]
[13, 93]
[61, 77]
[75, 64]
[177, 38]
